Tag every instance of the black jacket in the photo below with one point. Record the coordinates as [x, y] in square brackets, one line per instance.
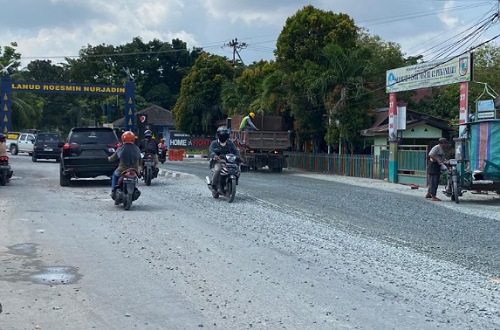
[149, 146]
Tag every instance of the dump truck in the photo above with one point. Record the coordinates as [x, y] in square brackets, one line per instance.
[262, 148]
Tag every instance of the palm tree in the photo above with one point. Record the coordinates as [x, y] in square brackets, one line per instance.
[339, 86]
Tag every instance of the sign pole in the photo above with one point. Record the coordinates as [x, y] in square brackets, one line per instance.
[393, 140]
[5, 105]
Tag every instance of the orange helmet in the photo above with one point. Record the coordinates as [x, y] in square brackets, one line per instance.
[128, 137]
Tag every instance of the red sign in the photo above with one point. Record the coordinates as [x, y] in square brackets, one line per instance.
[464, 113]
[393, 111]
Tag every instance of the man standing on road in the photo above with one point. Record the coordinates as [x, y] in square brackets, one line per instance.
[436, 156]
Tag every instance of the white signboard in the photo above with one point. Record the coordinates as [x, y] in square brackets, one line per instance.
[485, 105]
[429, 74]
[401, 119]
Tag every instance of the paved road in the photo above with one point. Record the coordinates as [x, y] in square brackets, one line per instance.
[293, 251]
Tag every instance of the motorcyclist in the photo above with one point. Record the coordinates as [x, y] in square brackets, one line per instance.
[149, 145]
[162, 149]
[129, 155]
[219, 147]
[3, 145]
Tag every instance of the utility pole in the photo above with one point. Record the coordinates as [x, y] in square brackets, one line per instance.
[236, 46]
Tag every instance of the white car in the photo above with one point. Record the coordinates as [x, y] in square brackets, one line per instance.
[24, 144]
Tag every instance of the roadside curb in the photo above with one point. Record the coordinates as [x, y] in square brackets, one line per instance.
[195, 156]
[171, 174]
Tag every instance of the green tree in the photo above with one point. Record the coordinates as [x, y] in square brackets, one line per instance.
[26, 108]
[54, 105]
[244, 93]
[340, 88]
[199, 105]
[300, 57]
[307, 32]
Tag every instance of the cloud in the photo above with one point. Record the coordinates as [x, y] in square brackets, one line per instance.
[45, 28]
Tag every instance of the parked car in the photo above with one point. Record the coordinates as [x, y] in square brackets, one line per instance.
[11, 141]
[47, 145]
[85, 154]
[24, 143]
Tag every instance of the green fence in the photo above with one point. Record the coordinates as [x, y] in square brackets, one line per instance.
[412, 164]
[362, 166]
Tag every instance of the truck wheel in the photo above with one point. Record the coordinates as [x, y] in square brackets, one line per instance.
[13, 149]
[33, 157]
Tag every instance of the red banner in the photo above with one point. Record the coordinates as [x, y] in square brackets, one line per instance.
[393, 111]
[464, 113]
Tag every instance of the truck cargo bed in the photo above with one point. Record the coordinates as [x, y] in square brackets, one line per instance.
[265, 140]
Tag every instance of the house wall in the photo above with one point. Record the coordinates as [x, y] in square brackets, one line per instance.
[423, 131]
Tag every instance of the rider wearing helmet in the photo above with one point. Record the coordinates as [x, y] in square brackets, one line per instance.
[128, 154]
[247, 124]
[221, 146]
[3, 145]
[149, 145]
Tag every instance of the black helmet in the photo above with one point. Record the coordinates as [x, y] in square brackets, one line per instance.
[148, 133]
[222, 133]
[2, 137]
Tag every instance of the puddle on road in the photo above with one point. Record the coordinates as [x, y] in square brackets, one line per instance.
[56, 275]
[25, 267]
[23, 249]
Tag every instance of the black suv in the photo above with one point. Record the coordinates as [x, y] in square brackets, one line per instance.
[47, 146]
[85, 153]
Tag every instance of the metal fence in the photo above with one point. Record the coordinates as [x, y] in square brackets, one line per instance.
[362, 166]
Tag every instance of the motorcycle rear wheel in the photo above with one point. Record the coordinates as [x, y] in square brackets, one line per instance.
[127, 201]
[147, 176]
[3, 179]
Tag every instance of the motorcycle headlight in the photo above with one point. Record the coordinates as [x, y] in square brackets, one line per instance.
[231, 158]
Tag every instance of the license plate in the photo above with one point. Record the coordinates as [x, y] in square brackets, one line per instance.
[148, 162]
[47, 149]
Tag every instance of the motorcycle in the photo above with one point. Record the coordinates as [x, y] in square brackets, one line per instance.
[453, 188]
[228, 179]
[127, 191]
[5, 170]
[149, 169]
[162, 155]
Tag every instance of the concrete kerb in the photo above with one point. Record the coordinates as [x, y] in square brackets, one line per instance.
[195, 156]
[170, 174]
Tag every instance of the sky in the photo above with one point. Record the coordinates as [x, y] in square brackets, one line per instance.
[54, 29]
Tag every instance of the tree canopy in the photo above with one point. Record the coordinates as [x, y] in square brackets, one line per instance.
[327, 79]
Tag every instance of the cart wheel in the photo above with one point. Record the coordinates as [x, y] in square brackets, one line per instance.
[454, 197]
